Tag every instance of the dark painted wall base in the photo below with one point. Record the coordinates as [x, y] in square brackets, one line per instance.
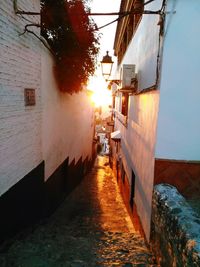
[62, 182]
[22, 204]
[32, 199]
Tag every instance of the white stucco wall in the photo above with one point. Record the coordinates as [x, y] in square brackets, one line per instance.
[179, 122]
[138, 148]
[139, 138]
[143, 48]
[57, 127]
[67, 121]
[20, 126]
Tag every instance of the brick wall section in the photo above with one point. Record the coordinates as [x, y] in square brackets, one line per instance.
[184, 175]
[175, 229]
[20, 67]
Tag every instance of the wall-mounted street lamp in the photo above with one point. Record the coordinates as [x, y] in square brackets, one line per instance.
[106, 66]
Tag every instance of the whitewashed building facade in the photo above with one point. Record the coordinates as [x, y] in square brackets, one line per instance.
[45, 135]
[157, 114]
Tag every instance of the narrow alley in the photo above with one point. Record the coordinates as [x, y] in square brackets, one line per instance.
[90, 228]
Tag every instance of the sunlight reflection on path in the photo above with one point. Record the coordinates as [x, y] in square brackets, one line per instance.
[112, 219]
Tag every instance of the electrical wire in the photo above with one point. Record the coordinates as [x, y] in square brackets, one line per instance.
[171, 13]
[42, 40]
[148, 2]
[113, 21]
[123, 14]
[26, 19]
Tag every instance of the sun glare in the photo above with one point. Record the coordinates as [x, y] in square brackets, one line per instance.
[100, 96]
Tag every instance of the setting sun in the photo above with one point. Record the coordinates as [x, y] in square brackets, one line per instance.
[101, 96]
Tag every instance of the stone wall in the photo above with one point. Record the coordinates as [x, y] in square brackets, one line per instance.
[175, 231]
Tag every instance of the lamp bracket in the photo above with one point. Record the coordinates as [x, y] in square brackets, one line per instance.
[114, 81]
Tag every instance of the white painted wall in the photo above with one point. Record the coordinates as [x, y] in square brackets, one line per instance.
[67, 121]
[179, 121]
[139, 138]
[20, 126]
[138, 148]
[143, 48]
[57, 127]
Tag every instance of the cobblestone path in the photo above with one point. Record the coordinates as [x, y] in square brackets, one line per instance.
[90, 228]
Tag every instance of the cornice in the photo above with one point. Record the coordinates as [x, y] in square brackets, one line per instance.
[121, 25]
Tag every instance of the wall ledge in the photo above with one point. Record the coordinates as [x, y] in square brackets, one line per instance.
[175, 231]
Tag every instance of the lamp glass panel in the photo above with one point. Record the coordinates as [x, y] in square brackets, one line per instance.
[106, 68]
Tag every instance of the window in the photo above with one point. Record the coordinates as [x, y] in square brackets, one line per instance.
[132, 195]
[125, 98]
[123, 174]
[113, 102]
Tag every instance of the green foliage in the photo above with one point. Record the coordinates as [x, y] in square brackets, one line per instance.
[71, 36]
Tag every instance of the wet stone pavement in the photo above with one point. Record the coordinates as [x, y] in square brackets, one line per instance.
[90, 228]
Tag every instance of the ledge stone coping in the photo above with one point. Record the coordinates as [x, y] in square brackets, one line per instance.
[177, 222]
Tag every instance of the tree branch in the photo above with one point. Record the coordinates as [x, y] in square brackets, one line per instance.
[43, 41]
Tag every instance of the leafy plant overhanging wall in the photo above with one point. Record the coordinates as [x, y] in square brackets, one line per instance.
[71, 36]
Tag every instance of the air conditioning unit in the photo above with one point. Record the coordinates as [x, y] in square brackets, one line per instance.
[127, 75]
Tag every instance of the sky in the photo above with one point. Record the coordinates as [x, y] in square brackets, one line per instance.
[108, 33]
[107, 36]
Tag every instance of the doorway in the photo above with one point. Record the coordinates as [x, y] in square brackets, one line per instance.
[132, 194]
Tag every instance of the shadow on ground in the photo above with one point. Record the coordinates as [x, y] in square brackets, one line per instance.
[90, 228]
